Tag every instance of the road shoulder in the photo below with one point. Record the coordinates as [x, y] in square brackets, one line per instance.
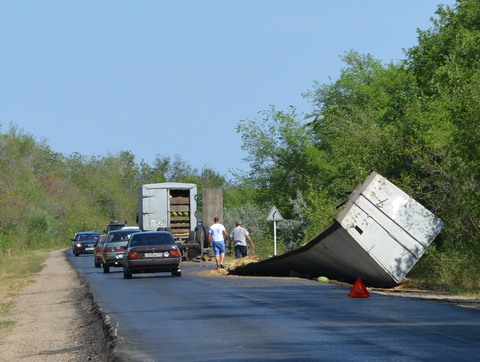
[55, 319]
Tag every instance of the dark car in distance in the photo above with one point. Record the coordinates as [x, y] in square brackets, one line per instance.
[151, 252]
[84, 242]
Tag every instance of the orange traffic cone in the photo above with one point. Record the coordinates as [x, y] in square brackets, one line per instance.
[359, 290]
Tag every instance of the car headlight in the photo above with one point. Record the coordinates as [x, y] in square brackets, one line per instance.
[78, 245]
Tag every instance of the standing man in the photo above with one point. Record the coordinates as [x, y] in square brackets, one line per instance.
[217, 234]
[240, 235]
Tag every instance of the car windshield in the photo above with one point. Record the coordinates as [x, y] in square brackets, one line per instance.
[84, 237]
[152, 239]
[119, 236]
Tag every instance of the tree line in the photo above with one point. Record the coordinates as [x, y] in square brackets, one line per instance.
[414, 121]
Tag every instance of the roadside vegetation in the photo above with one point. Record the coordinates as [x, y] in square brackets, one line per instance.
[416, 122]
[16, 271]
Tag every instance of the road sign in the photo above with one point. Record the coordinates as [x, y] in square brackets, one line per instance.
[274, 215]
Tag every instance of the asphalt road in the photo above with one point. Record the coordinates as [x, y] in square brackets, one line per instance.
[202, 317]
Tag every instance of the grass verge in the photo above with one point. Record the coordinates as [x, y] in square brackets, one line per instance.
[16, 272]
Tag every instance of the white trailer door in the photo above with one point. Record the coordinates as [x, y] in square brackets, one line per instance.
[155, 207]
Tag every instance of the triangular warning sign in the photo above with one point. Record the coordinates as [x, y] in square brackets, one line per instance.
[274, 215]
[359, 290]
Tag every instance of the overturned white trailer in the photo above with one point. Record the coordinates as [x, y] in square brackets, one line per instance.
[379, 236]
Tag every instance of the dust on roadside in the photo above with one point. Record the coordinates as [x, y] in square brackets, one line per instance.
[56, 319]
[442, 297]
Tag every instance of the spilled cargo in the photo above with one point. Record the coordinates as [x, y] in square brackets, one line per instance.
[379, 236]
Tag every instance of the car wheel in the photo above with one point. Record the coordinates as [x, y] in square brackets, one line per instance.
[76, 254]
[177, 273]
[199, 233]
[127, 274]
[206, 243]
[106, 268]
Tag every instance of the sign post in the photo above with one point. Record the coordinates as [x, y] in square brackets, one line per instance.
[274, 215]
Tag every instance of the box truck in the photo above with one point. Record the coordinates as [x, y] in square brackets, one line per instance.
[174, 207]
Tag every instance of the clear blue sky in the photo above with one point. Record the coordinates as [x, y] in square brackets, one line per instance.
[172, 77]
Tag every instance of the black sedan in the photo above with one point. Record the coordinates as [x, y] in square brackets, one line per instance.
[84, 242]
[151, 252]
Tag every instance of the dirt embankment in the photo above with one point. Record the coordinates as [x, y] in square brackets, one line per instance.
[56, 319]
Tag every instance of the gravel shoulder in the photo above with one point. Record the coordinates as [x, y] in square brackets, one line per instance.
[460, 301]
[58, 320]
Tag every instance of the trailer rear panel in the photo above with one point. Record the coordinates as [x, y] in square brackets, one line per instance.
[169, 205]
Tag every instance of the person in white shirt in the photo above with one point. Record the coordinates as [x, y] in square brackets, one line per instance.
[217, 234]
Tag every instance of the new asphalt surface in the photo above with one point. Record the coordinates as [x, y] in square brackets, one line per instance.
[203, 316]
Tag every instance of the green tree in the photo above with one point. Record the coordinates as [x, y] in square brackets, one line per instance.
[446, 63]
[282, 156]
